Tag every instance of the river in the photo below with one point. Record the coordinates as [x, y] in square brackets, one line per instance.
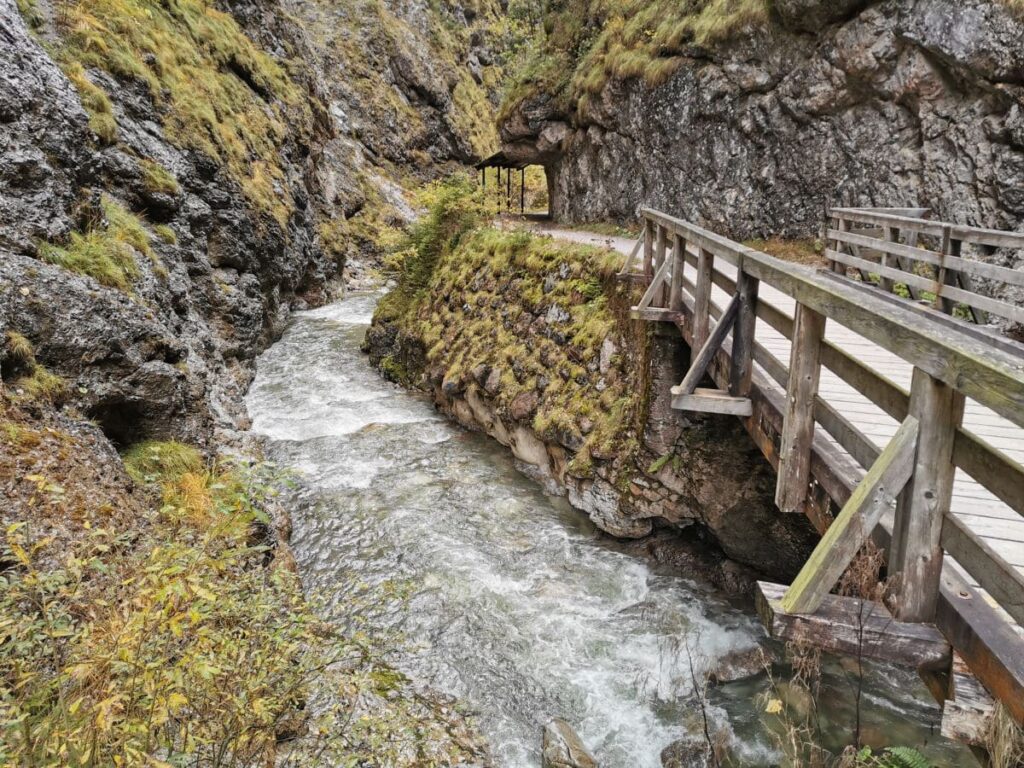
[509, 599]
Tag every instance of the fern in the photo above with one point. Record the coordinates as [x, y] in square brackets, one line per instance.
[903, 757]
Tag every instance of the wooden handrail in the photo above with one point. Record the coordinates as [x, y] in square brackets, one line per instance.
[952, 360]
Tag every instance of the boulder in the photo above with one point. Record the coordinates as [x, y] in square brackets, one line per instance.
[562, 747]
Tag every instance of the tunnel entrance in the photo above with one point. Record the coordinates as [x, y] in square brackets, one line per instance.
[517, 187]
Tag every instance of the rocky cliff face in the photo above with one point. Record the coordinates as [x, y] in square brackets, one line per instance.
[174, 178]
[811, 104]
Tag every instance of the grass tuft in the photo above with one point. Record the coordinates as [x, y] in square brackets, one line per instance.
[161, 462]
[106, 253]
[97, 104]
[158, 179]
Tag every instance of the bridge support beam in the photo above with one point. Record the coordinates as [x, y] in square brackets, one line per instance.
[798, 426]
[855, 523]
[916, 554]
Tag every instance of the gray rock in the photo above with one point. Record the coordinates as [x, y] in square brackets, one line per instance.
[562, 747]
[686, 753]
[556, 314]
[812, 15]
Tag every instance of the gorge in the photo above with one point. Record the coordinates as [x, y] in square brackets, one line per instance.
[496, 517]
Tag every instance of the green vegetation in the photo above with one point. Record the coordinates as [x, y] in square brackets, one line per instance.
[105, 253]
[30, 12]
[588, 42]
[164, 639]
[96, 102]
[153, 461]
[165, 233]
[218, 92]
[158, 179]
[471, 295]
[29, 380]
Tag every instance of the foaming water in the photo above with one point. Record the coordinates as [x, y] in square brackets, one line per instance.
[514, 603]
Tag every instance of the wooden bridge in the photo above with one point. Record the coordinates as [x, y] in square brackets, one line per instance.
[891, 411]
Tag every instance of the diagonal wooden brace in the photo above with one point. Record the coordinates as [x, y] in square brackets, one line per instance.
[700, 363]
[876, 493]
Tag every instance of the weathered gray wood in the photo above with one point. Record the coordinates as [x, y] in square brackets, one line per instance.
[652, 290]
[798, 429]
[916, 555]
[979, 235]
[892, 235]
[993, 377]
[660, 263]
[1000, 579]
[648, 248]
[860, 447]
[702, 297]
[627, 265]
[944, 277]
[968, 709]
[701, 361]
[713, 401]
[854, 627]
[675, 294]
[953, 261]
[654, 314]
[855, 523]
[743, 335]
[995, 470]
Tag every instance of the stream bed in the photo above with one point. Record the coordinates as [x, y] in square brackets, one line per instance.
[507, 598]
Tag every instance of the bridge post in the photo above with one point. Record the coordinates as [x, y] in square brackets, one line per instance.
[648, 249]
[916, 551]
[798, 423]
[743, 334]
[702, 298]
[892, 235]
[659, 260]
[675, 295]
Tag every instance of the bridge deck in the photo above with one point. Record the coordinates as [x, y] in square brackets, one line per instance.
[1000, 527]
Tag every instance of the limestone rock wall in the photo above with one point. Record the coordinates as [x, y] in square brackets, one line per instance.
[893, 103]
[373, 95]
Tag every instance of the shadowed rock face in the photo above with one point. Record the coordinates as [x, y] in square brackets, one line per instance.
[170, 356]
[906, 102]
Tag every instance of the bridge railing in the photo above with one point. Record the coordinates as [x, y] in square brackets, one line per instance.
[925, 260]
[952, 361]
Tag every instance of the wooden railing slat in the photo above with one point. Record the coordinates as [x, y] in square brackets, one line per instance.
[978, 268]
[997, 577]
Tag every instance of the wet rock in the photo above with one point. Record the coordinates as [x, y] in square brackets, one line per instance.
[600, 501]
[739, 665]
[562, 748]
[687, 753]
[556, 314]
